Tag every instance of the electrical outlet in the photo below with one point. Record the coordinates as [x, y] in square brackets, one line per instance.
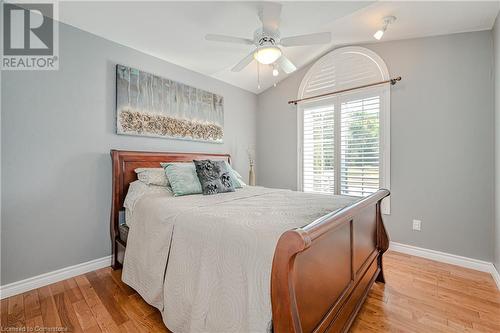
[417, 225]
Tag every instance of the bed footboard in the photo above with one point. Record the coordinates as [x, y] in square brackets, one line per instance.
[322, 272]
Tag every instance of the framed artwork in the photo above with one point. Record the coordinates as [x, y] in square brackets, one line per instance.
[149, 105]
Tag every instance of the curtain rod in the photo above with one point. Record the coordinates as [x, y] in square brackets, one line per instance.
[391, 81]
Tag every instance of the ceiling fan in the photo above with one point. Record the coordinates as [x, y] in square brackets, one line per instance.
[268, 42]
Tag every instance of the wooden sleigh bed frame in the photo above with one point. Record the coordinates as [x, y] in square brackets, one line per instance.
[321, 273]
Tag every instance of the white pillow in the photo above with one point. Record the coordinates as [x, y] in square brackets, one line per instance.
[152, 176]
[137, 189]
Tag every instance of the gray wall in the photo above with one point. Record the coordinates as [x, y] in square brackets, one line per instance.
[57, 130]
[496, 45]
[442, 137]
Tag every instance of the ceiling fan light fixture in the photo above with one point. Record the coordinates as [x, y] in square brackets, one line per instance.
[267, 55]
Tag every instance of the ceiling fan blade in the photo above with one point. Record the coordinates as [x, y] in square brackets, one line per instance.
[286, 65]
[310, 39]
[243, 63]
[269, 15]
[228, 39]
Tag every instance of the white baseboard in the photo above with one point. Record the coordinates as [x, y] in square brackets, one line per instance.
[448, 258]
[45, 279]
[42, 280]
[496, 276]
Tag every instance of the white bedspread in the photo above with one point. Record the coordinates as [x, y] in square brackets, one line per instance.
[219, 250]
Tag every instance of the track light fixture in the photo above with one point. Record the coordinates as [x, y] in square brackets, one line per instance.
[387, 20]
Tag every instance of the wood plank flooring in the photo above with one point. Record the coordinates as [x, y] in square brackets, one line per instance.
[420, 296]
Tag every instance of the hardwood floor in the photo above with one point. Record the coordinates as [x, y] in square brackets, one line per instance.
[420, 296]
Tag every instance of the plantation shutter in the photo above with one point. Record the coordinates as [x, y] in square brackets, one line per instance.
[319, 149]
[360, 146]
[344, 139]
[341, 146]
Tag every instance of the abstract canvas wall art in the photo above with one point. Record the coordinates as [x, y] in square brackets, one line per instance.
[149, 105]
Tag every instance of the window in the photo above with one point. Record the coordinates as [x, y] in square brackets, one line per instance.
[344, 139]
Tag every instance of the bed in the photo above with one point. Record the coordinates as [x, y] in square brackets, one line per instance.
[314, 273]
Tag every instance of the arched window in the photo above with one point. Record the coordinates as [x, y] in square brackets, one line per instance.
[344, 139]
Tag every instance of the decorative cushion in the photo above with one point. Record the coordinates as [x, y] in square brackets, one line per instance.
[235, 177]
[182, 178]
[152, 176]
[214, 176]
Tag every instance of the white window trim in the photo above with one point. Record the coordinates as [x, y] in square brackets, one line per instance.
[385, 119]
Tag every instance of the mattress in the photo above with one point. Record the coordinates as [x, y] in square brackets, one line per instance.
[205, 261]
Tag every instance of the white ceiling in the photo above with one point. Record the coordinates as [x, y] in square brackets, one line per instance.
[174, 31]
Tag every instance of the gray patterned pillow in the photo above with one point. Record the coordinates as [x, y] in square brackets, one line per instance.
[214, 176]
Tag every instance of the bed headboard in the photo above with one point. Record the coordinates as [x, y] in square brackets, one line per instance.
[124, 164]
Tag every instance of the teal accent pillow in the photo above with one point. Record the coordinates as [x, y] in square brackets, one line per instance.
[236, 178]
[182, 178]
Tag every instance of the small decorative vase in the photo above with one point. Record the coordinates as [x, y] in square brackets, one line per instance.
[251, 176]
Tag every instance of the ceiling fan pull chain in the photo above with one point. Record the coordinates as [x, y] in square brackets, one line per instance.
[258, 75]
